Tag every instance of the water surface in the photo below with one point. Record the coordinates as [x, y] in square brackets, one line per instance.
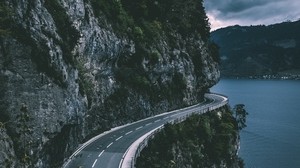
[272, 136]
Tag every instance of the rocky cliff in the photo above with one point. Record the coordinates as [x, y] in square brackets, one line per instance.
[70, 69]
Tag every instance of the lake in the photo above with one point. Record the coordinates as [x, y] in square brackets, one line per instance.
[272, 136]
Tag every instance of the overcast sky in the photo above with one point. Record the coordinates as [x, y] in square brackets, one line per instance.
[222, 13]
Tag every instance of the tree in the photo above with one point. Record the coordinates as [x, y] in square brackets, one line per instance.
[7, 157]
[214, 51]
[5, 20]
[23, 123]
[240, 115]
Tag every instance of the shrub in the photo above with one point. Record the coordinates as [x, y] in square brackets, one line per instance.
[179, 81]
[85, 84]
[138, 33]
[154, 57]
[5, 19]
[133, 78]
[200, 141]
[214, 51]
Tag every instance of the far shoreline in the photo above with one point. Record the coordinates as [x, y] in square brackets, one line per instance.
[264, 77]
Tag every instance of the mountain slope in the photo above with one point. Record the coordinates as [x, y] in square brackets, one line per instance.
[259, 50]
[72, 69]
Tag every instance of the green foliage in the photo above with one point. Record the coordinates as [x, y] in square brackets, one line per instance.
[180, 81]
[3, 101]
[214, 51]
[152, 17]
[5, 19]
[8, 160]
[154, 57]
[113, 10]
[258, 50]
[134, 78]
[85, 85]
[2, 125]
[146, 22]
[201, 141]
[240, 115]
[138, 33]
[25, 131]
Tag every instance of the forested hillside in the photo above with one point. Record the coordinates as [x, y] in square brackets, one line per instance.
[260, 50]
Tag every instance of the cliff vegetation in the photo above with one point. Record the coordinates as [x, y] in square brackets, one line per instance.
[209, 140]
[81, 67]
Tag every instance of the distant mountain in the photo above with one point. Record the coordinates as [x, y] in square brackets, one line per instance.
[259, 50]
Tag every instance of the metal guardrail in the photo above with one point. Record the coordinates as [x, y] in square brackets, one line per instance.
[145, 141]
[144, 144]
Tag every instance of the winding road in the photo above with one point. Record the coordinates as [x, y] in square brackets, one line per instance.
[107, 150]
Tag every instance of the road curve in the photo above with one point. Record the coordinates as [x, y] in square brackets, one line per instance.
[107, 149]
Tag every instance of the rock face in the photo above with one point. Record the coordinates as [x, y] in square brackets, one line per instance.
[7, 154]
[69, 71]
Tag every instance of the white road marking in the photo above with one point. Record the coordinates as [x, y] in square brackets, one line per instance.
[166, 118]
[209, 106]
[157, 120]
[139, 128]
[128, 132]
[101, 153]
[119, 138]
[109, 145]
[148, 124]
[94, 163]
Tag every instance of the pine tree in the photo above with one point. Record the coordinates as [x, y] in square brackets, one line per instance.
[240, 115]
[25, 131]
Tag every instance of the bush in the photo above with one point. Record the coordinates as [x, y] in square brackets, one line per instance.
[133, 78]
[179, 81]
[201, 141]
[5, 19]
[154, 57]
[214, 51]
[85, 85]
[138, 33]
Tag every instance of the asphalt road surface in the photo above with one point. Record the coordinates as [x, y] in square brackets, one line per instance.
[107, 149]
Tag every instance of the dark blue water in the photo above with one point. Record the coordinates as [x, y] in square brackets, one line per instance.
[272, 136]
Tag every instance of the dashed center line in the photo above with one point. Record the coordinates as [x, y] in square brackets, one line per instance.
[109, 145]
[94, 163]
[128, 132]
[119, 138]
[139, 128]
[148, 124]
[166, 118]
[157, 120]
[101, 153]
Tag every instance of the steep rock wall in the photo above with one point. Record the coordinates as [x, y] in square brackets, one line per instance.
[67, 74]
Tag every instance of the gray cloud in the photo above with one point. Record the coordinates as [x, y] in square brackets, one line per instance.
[251, 12]
[233, 6]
